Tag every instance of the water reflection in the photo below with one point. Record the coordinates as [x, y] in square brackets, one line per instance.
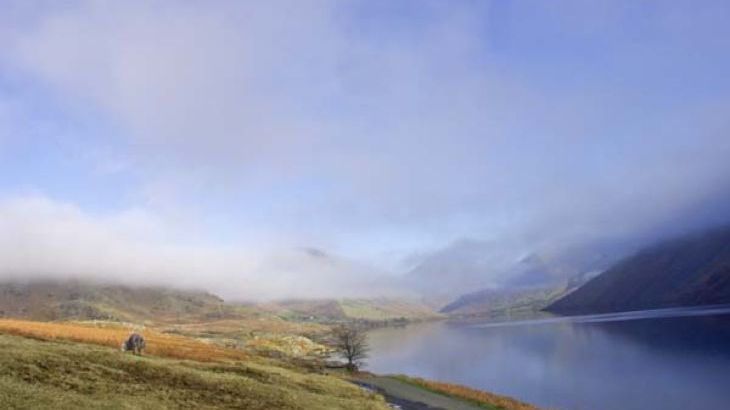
[677, 359]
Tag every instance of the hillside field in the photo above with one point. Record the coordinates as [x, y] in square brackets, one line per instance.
[49, 369]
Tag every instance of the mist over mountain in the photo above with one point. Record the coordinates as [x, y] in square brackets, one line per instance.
[89, 300]
[355, 149]
[470, 265]
[272, 186]
[686, 271]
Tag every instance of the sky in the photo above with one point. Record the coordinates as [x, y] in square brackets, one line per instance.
[327, 148]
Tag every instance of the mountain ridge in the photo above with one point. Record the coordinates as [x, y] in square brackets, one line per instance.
[49, 300]
[690, 270]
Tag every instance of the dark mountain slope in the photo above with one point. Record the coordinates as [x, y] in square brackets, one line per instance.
[693, 270]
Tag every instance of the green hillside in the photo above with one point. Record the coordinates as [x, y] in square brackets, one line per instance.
[64, 300]
[64, 375]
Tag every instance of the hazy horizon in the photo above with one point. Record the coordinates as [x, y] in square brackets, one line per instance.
[288, 149]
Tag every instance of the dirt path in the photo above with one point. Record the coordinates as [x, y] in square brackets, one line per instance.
[409, 397]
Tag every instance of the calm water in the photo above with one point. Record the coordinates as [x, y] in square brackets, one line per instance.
[655, 360]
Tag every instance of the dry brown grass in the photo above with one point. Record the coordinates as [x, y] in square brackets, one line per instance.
[158, 344]
[490, 400]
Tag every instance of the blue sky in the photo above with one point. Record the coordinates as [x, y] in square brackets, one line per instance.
[208, 144]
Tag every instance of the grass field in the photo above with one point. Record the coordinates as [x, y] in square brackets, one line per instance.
[64, 374]
[71, 365]
[111, 335]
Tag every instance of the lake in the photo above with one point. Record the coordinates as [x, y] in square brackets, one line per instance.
[667, 359]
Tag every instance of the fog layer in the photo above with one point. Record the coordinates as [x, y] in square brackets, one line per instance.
[216, 145]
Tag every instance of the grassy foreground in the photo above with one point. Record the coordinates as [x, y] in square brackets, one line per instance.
[59, 374]
[72, 365]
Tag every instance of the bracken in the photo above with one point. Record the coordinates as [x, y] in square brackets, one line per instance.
[158, 344]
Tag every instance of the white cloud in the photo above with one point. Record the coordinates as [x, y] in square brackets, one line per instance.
[186, 77]
[41, 238]
[355, 128]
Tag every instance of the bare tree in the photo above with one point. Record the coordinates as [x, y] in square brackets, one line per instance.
[351, 344]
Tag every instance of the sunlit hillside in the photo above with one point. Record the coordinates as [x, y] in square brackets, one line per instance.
[59, 375]
[112, 335]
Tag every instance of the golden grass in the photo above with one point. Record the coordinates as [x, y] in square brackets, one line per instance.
[58, 375]
[489, 400]
[158, 344]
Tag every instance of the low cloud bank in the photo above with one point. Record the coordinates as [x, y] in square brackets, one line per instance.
[45, 239]
[436, 138]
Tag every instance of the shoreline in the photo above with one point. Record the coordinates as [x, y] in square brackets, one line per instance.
[413, 393]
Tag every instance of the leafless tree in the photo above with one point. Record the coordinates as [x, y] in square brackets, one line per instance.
[351, 344]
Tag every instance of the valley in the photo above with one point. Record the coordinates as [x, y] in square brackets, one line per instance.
[202, 352]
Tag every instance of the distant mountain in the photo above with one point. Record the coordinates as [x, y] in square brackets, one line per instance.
[467, 265]
[503, 302]
[692, 270]
[86, 300]
[514, 301]
[445, 273]
[81, 300]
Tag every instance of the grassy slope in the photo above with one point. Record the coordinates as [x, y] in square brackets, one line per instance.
[112, 335]
[65, 300]
[66, 375]
[76, 365]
